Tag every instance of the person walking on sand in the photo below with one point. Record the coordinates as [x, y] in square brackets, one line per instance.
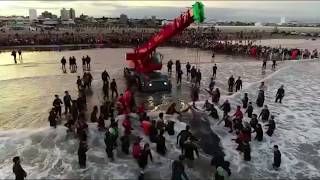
[63, 63]
[14, 54]
[20, 55]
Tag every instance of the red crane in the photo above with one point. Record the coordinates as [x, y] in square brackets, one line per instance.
[142, 59]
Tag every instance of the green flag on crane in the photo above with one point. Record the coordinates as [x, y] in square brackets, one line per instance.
[198, 12]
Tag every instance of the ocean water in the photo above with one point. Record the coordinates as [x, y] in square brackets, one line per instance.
[27, 90]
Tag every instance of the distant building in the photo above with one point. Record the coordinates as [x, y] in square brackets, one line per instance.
[64, 14]
[32, 14]
[49, 15]
[72, 14]
[123, 19]
[282, 21]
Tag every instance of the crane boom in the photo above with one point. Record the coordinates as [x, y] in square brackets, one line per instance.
[142, 59]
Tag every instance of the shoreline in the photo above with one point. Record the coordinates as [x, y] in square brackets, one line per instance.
[61, 47]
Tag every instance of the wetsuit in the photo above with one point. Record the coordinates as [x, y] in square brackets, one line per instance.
[179, 77]
[105, 89]
[169, 66]
[153, 133]
[259, 134]
[189, 149]
[125, 144]
[170, 127]
[183, 135]
[265, 113]
[193, 73]
[245, 102]
[260, 99]
[231, 84]
[276, 159]
[108, 140]
[247, 152]
[178, 171]
[188, 67]
[280, 95]
[113, 87]
[198, 76]
[271, 127]
[52, 119]
[254, 123]
[238, 85]
[161, 145]
[249, 111]
[57, 106]
[83, 148]
[105, 76]
[226, 108]
[19, 172]
[214, 71]
[143, 159]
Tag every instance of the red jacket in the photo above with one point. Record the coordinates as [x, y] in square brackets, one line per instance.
[238, 114]
[146, 127]
[127, 126]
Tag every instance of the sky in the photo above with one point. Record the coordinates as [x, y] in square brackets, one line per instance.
[261, 11]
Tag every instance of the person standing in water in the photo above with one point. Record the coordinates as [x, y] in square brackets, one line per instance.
[276, 157]
[231, 83]
[113, 87]
[17, 169]
[214, 71]
[57, 104]
[238, 84]
[280, 94]
[188, 67]
[82, 150]
[179, 77]
[169, 66]
[178, 172]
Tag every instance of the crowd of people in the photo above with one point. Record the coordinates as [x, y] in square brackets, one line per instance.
[124, 103]
[86, 62]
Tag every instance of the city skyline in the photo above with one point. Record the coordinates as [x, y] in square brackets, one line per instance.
[221, 10]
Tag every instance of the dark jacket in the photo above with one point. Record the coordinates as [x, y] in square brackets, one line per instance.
[276, 158]
[19, 172]
[178, 171]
